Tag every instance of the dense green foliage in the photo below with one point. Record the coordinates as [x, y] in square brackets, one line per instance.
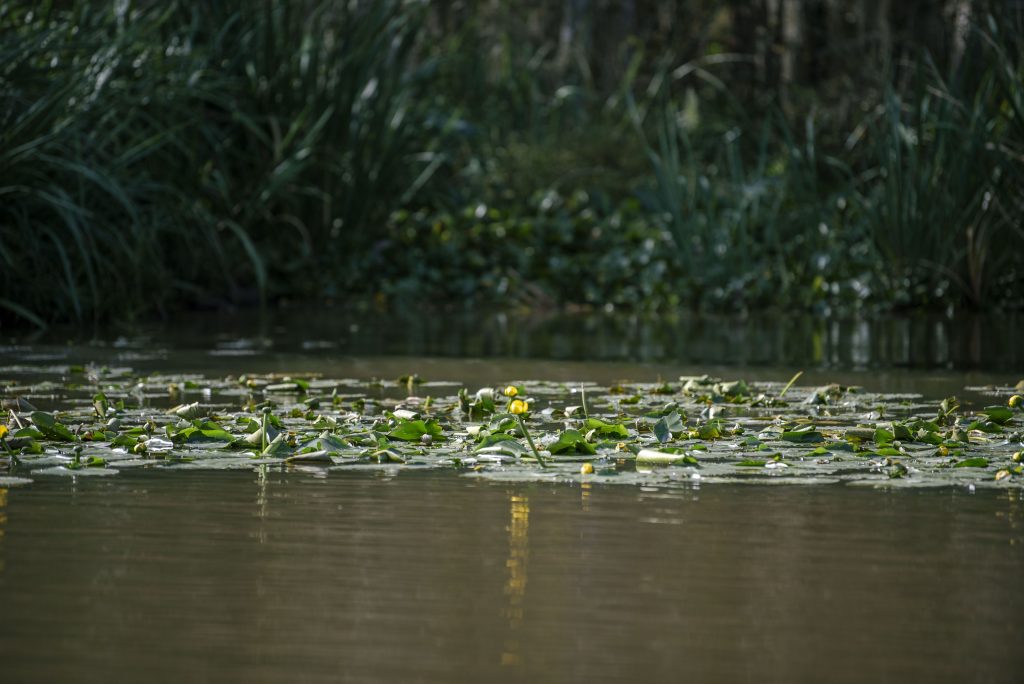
[154, 155]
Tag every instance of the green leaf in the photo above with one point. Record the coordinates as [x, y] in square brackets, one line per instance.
[187, 411]
[901, 432]
[651, 457]
[667, 426]
[509, 446]
[710, 430]
[491, 440]
[49, 426]
[883, 436]
[985, 426]
[413, 430]
[606, 429]
[571, 440]
[279, 447]
[752, 463]
[998, 414]
[972, 463]
[809, 436]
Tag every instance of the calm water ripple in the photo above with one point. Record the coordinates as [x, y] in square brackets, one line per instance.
[434, 578]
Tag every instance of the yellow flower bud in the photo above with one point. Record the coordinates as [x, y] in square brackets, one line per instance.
[1016, 401]
[511, 391]
[518, 406]
[587, 469]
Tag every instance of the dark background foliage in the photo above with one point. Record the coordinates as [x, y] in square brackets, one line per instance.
[156, 156]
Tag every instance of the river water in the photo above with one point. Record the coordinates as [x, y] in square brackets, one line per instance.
[310, 576]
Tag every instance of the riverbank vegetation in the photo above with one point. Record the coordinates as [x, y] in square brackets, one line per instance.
[648, 156]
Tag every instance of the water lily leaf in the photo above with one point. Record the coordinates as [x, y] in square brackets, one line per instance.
[651, 457]
[187, 411]
[998, 414]
[571, 440]
[310, 457]
[497, 438]
[803, 436]
[389, 456]
[606, 429]
[972, 463]
[667, 426]
[883, 436]
[331, 443]
[279, 447]
[28, 433]
[901, 432]
[985, 426]
[711, 430]
[201, 431]
[413, 430]
[49, 426]
[860, 434]
[509, 447]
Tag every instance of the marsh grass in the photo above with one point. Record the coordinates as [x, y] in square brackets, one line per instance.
[159, 155]
[940, 196]
[205, 150]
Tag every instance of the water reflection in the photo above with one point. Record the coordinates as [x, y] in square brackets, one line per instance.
[3, 521]
[437, 578]
[515, 585]
[261, 502]
[970, 341]
[3, 513]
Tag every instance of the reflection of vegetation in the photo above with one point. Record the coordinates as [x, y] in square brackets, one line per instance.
[154, 154]
[517, 564]
[3, 516]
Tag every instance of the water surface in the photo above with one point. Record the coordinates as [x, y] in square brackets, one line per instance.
[287, 576]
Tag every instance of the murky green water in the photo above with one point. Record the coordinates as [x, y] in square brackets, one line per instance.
[402, 576]
[432, 578]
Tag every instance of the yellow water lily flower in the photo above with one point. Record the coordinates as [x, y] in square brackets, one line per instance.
[518, 407]
[1016, 401]
[511, 391]
[3, 430]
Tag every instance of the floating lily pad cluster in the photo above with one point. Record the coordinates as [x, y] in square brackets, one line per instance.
[694, 430]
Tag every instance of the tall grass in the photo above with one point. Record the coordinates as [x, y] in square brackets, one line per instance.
[925, 199]
[941, 191]
[154, 155]
[159, 152]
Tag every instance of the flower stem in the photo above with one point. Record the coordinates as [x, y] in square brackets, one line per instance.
[529, 440]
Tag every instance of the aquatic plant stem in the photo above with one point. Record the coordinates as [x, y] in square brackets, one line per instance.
[529, 440]
[790, 384]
